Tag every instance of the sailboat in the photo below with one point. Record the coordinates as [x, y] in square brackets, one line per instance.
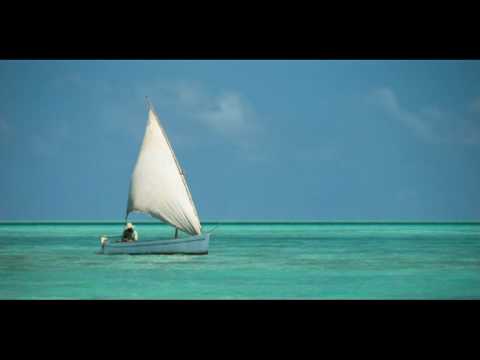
[158, 187]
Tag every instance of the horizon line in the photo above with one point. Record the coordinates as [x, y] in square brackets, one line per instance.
[233, 221]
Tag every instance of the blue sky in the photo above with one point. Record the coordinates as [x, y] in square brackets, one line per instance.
[310, 140]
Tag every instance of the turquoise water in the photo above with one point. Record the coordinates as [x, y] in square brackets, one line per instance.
[246, 261]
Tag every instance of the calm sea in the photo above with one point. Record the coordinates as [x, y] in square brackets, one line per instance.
[246, 261]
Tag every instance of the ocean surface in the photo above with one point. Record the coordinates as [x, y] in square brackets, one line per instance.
[246, 261]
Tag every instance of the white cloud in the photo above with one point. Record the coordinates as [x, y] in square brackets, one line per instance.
[387, 99]
[228, 115]
[432, 125]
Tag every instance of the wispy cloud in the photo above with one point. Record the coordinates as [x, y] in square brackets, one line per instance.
[226, 114]
[432, 124]
[229, 115]
[387, 99]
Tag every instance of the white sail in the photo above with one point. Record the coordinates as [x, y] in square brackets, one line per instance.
[158, 186]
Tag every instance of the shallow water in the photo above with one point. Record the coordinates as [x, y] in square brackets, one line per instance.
[246, 261]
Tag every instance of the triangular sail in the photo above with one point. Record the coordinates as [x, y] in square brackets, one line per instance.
[158, 186]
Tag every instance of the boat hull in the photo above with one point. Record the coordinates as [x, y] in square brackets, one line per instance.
[195, 245]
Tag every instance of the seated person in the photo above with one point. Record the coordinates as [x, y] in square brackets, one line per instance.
[129, 234]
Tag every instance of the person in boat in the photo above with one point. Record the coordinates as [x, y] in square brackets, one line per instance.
[129, 234]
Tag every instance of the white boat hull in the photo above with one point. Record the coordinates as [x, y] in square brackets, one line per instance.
[195, 245]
